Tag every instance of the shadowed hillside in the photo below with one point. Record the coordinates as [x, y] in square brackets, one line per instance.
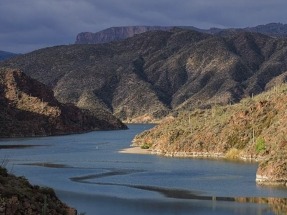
[150, 75]
[28, 108]
[18, 196]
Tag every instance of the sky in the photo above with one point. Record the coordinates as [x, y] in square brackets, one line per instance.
[27, 25]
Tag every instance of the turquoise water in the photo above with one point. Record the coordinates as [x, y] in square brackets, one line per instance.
[88, 173]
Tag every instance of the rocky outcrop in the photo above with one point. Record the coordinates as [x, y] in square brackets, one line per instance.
[254, 129]
[155, 73]
[18, 196]
[29, 108]
[115, 34]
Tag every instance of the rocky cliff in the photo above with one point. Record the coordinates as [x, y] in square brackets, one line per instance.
[29, 108]
[115, 34]
[150, 75]
[254, 129]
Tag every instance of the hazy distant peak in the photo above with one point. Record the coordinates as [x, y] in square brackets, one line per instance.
[120, 33]
[115, 34]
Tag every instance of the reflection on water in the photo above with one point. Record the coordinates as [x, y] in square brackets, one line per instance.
[16, 146]
[278, 205]
[113, 205]
[89, 174]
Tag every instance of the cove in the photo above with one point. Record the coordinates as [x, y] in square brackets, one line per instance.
[88, 173]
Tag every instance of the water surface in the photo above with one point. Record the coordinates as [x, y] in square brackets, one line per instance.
[88, 173]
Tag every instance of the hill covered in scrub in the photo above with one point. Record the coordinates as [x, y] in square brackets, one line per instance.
[29, 108]
[254, 129]
[153, 74]
[18, 196]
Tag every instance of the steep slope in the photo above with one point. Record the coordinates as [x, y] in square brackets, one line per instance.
[254, 129]
[28, 108]
[147, 76]
[18, 196]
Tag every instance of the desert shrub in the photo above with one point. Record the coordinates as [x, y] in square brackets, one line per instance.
[232, 154]
[146, 146]
[48, 191]
[3, 171]
[260, 145]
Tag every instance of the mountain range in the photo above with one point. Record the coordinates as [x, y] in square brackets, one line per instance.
[149, 75]
[120, 33]
[157, 73]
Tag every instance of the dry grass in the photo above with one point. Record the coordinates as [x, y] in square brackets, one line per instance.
[232, 154]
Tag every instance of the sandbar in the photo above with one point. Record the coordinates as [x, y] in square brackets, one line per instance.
[135, 150]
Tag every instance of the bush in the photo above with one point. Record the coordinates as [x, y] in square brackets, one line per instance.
[3, 171]
[146, 146]
[232, 154]
[260, 145]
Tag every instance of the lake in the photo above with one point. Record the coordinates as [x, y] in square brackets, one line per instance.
[88, 173]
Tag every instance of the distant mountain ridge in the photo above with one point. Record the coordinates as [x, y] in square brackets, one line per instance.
[271, 29]
[115, 34]
[149, 75]
[120, 33]
[6, 55]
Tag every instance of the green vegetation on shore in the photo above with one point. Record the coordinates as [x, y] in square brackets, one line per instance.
[254, 129]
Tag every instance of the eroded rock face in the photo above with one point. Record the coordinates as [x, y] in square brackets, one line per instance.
[29, 108]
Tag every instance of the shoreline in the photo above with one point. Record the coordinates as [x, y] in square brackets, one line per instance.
[200, 155]
[135, 150]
